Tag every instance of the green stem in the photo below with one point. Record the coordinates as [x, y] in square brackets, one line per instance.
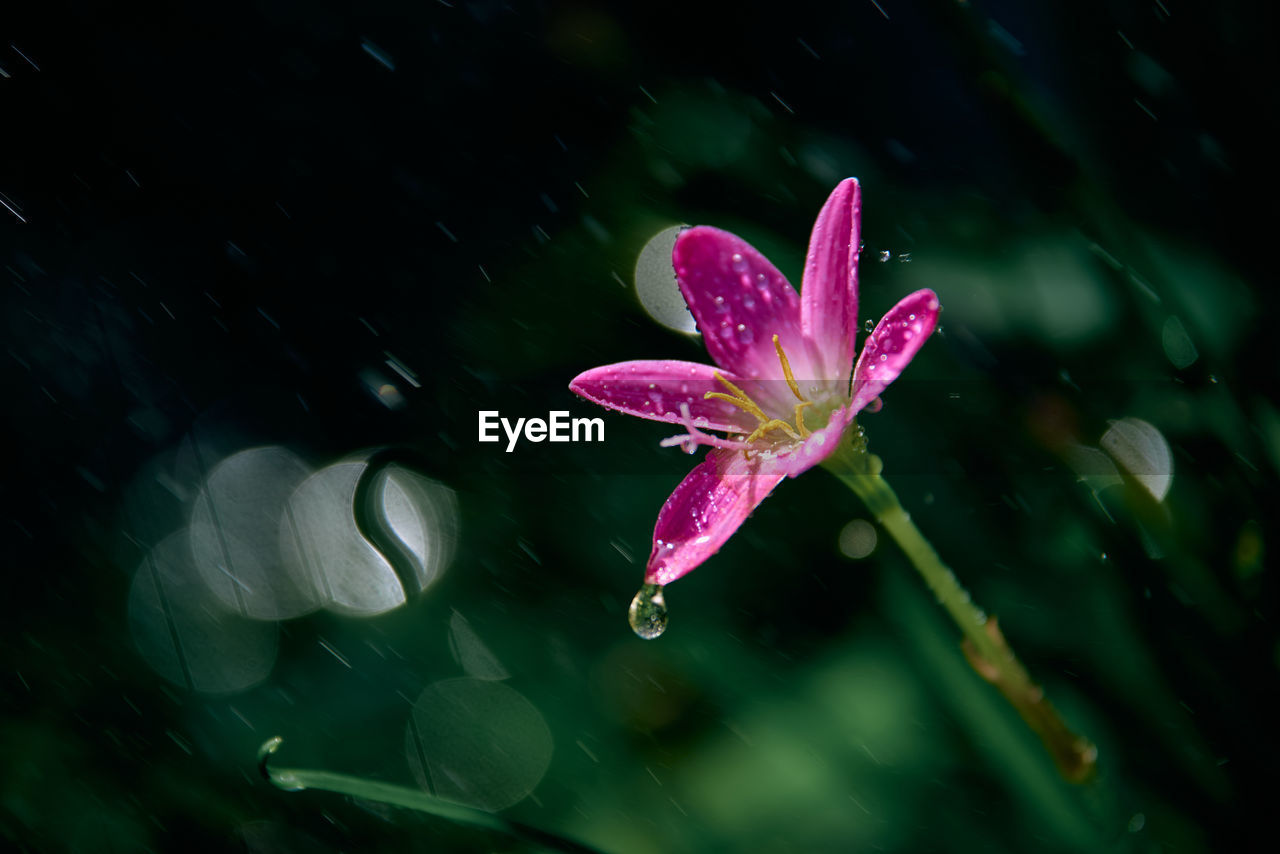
[984, 645]
[297, 779]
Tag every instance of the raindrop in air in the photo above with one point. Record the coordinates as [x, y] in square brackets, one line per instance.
[869, 325]
[648, 612]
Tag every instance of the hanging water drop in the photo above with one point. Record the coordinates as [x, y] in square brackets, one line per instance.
[648, 612]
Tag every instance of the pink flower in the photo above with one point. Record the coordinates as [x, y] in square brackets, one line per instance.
[782, 391]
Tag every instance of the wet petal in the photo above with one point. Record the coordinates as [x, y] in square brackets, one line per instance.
[654, 389]
[829, 295]
[740, 301]
[705, 509]
[893, 344]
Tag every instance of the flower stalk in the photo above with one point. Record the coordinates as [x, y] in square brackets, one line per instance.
[761, 334]
[984, 644]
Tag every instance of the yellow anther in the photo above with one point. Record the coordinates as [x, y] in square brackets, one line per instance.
[737, 392]
[739, 398]
[786, 369]
[773, 424]
[800, 428]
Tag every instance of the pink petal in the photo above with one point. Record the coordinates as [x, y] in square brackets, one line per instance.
[704, 511]
[829, 295]
[894, 343]
[740, 301]
[655, 389]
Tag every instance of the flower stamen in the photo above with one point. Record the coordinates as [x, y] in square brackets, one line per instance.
[786, 370]
[800, 428]
[739, 398]
[773, 424]
[744, 403]
[795, 389]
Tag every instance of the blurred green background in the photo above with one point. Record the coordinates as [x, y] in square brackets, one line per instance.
[337, 229]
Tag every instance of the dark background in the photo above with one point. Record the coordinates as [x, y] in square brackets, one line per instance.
[223, 219]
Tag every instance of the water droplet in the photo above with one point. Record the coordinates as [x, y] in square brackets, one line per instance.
[885, 255]
[869, 325]
[648, 612]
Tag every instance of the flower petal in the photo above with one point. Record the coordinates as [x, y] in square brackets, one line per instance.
[829, 294]
[704, 511]
[654, 389]
[740, 301]
[893, 344]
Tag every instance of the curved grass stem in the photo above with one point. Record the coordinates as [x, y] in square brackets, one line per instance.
[298, 779]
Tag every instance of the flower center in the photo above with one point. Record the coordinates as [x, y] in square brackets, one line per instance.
[743, 401]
